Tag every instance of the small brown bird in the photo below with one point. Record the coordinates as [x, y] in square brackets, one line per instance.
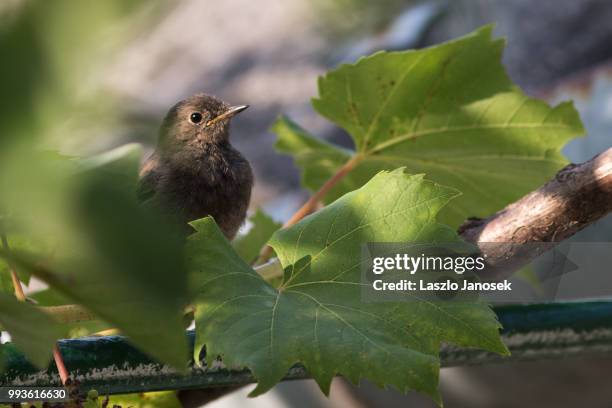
[195, 171]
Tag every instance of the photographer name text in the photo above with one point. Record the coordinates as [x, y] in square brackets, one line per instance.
[448, 285]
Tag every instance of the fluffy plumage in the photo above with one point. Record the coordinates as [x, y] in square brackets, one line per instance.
[195, 171]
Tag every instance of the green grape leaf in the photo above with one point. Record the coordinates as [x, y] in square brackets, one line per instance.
[249, 244]
[33, 332]
[449, 111]
[316, 317]
[121, 261]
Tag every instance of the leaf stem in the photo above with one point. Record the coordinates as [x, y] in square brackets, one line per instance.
[19, 294]
[270, 270]
[17, 285]
[61, 366]
[311, 205]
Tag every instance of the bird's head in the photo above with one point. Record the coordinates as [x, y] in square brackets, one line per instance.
[198, 120]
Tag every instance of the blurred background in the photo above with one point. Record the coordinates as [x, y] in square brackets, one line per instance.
[101, 74]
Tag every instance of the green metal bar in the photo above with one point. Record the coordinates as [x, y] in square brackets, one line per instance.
[111, 365]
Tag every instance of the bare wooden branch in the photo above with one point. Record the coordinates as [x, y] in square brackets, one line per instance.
[576, 197]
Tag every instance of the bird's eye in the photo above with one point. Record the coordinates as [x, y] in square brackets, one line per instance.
[195, 117]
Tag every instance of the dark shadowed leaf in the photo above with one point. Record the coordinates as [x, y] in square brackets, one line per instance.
[119, 260]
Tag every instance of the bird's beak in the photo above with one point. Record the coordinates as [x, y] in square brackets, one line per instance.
[227, 114]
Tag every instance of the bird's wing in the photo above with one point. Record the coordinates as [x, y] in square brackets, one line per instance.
[149, 178]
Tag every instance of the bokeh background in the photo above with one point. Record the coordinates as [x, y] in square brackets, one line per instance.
[104, 73]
